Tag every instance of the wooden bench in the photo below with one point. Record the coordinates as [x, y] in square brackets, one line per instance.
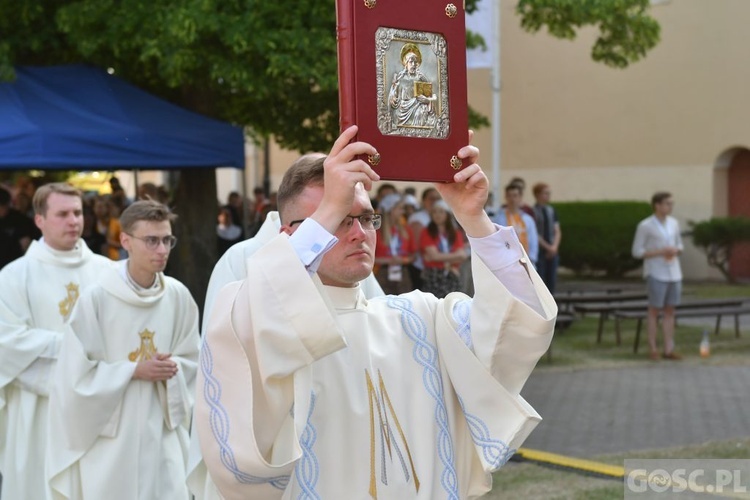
[607, 308]
[688, 312]
[567, 302]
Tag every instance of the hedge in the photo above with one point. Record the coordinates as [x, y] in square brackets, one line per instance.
[598, 235]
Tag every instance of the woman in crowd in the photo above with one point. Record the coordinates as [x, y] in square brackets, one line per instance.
[396, 247]
[442, 247]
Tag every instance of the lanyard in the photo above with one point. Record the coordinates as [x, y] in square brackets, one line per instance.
[395, 244]
[443, 244]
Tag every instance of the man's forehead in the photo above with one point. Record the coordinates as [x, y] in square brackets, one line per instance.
[152, 227]
[64, 201]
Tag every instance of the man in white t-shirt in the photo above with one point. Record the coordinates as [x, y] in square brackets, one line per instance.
[658, 242]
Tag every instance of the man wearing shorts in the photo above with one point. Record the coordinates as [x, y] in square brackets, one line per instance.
[658, 243]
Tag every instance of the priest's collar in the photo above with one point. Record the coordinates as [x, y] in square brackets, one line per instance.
[346, 298]
[154, 289]
[41, 250]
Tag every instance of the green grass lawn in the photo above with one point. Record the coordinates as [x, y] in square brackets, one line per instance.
[576, 346]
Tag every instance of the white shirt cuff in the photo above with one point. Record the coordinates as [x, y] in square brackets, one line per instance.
[498, 250]
[311, 241]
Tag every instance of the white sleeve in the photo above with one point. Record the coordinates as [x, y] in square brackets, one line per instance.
[503, 254]
[311, 241]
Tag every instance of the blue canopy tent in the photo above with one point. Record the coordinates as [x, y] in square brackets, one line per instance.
[81, 118]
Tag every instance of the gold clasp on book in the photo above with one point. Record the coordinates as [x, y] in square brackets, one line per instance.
[456, 162]
[370, 4]
[451, 10]
[374, 159]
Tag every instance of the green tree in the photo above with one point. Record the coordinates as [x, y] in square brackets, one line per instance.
[626, 31]
[717, 237]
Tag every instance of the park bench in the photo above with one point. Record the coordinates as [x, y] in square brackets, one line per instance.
[566, 302]
[604, 309]
[734, 308]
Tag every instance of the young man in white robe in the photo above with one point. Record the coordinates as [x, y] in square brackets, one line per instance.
[123, 391]
[308, 389]
[231, 267]
[37, 295]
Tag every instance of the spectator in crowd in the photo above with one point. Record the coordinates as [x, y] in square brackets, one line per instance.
[227, 232]
[123, 391]
[37, 296]
[148, 191]
[261, 207]
[16, 231]
[418, 221]
[518, 181]
[523, 223]
[235, 207]
[658, 242]
[302, 370]
[396, 247]
[118, 196]
[550, 235]
[384, 189]
[442, 248]
[93, 238]
[411, 205]
[22, 203]
[108, 225]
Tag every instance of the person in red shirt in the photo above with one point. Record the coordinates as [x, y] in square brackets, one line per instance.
[396, 247]
[442, 247]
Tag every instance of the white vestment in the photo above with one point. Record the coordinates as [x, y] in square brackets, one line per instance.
[37, 295]
[309, 391]
[113, 437]
[232, 267]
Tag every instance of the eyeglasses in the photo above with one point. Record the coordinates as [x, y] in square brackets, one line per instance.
[152, 242]
[369, 222]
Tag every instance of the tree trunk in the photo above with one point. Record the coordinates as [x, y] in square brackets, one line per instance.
[196, 253]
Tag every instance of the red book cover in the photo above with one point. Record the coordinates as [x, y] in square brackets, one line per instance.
[402, 81]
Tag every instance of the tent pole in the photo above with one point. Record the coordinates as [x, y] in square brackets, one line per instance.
[135, 184]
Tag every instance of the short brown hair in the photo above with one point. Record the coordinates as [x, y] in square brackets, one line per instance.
[43, 192]
[659, 197]
[539, 187]
[148, 210]
[306, 171]
[514, 187]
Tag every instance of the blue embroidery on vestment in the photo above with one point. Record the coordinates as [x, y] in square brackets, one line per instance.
[462, 316]
[219, 420]
[494, 451]
[426, 355]
[307, 470]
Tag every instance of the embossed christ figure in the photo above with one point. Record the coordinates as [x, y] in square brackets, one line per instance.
[411, 97]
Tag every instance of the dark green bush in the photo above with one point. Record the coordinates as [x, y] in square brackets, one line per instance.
[598, 235]
[717, 236]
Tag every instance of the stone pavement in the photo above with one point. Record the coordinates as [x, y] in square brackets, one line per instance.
[658, 405]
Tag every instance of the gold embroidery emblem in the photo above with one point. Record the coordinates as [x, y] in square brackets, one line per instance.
[147, 349]
[66, 305]
[379, 399]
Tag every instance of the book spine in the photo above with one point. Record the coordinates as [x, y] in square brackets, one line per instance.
[345, 47]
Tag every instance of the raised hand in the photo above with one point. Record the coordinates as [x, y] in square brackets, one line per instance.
[467, 195]
[343, 171]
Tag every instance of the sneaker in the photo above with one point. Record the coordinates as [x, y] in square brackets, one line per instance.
[672, 355]
[654, 356]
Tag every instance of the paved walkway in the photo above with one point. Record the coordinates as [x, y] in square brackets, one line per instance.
[660, 405]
